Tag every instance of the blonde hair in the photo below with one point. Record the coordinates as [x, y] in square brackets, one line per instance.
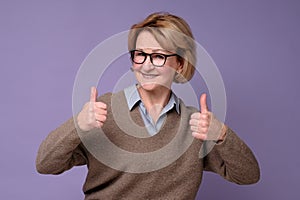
[173, 34]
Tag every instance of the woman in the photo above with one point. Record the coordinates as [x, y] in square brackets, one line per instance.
[162, 52]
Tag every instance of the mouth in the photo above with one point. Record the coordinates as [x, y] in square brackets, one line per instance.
[149, 76]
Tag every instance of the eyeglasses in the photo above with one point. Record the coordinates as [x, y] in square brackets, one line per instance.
[157, 59]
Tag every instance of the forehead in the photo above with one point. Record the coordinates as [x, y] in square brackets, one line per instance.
[146, 40]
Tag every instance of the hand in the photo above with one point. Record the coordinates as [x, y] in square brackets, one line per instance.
[93, 113]
[204, 125]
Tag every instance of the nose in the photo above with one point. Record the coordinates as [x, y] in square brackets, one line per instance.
[147, 65]
[148, 60]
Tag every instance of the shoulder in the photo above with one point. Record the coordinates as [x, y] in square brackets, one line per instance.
[109, 98]
[105, 98]
[187, 109]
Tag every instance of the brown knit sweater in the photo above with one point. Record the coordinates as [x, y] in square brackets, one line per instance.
[174, 174]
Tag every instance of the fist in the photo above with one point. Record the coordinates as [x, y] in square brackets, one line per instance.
[204, 125]
[93, 113]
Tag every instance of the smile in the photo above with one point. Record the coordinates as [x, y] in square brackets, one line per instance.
[149, 76]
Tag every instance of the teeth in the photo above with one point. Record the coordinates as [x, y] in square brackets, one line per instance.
[149, 76]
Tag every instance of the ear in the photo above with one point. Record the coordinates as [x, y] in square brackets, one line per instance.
[180, 63]
[179, 78]
[179, 69]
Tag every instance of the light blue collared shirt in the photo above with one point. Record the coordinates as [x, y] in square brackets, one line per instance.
[133, 97]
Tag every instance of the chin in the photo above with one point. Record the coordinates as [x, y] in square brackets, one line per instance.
[149, 86]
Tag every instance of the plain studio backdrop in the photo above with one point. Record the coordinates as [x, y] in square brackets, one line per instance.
[255, 45]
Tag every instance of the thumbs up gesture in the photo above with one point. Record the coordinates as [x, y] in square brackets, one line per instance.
[204, 125]
[93, 113]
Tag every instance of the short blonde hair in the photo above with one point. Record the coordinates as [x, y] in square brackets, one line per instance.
[172, 33]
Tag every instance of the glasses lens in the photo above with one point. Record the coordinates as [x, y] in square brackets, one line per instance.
[138, 57]
[158, 59]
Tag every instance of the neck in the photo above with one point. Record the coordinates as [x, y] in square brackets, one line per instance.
[155, 100]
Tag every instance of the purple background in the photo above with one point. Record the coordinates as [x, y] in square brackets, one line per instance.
[254, 43]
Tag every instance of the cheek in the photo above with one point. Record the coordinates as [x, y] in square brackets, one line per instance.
[173, 63]
[168, 73]
[135, 66]
[170, 67]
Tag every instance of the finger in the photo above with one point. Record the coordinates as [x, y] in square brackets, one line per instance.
[100, 118]
[203, 104]
[94, 94]
[98, 124]
[195, 122]
[100, 105]
[199, 135]
[200, 117]
[199, 129]
[195, 115]
[204, 116]
[100, 111]
[194, 128]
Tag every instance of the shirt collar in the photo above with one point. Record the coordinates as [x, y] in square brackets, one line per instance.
[133, 97]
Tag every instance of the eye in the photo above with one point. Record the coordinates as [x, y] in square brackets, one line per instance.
[139, 53]
[158, 56]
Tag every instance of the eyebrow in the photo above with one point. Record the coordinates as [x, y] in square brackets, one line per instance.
[155, 50]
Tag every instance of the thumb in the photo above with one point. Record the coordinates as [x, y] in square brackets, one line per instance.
[94, 94]
[203, 104]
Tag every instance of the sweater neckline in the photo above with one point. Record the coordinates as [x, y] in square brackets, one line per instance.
[125, 117]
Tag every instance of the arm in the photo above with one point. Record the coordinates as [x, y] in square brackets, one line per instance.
[60, 151]
[233, 160]
[227, 155]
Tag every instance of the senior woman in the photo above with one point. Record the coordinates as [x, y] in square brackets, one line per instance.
[162, 51]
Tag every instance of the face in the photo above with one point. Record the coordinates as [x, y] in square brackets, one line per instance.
[148, 76]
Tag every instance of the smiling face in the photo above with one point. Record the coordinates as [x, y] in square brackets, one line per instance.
[148, 76]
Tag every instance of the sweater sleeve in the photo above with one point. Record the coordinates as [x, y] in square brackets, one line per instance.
[61, 150]
[233, 160]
